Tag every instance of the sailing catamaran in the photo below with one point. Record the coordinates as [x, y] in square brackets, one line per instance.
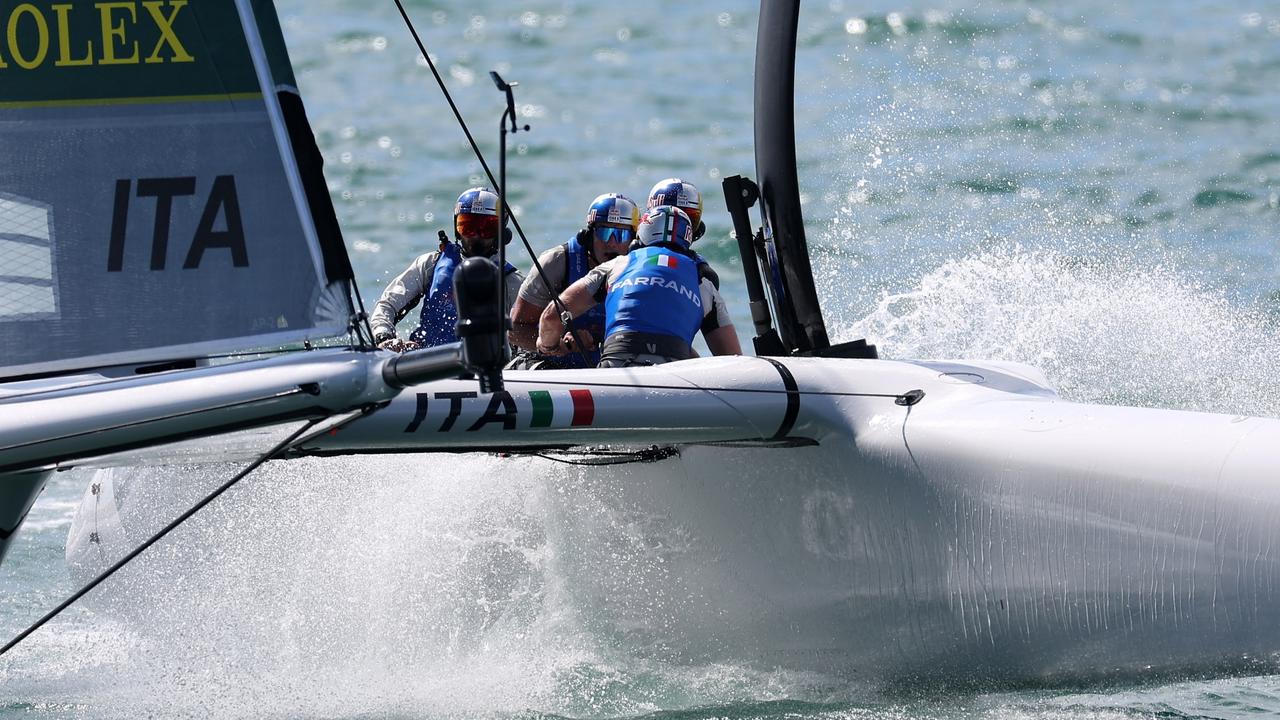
[882, 518]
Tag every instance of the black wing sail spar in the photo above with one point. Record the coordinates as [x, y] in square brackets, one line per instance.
[779, 248]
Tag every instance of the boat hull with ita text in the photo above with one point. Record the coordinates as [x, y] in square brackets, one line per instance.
[819, 514]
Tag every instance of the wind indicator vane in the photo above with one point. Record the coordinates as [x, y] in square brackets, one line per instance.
[503, 214]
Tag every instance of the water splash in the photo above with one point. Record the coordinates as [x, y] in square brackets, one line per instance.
[389, 586]
[1110, 330]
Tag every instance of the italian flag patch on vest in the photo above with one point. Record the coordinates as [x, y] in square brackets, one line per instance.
[662, 261]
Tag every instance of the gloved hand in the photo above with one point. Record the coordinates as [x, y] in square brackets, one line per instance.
[395, 344]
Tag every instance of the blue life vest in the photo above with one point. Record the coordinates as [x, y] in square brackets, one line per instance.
[437, 325]
[592, 321]
[657, 293]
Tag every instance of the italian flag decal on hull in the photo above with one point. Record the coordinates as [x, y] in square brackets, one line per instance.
[662, 261]
[561, 408]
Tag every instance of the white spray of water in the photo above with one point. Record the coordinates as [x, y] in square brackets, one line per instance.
[988, 222]
[1110, 331]
[389, 586]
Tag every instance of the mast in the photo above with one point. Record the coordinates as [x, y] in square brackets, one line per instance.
[796, 299]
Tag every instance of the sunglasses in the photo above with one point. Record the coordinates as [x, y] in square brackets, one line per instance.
[614, 235]
[475, 227]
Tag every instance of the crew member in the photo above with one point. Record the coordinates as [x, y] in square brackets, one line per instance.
[429, 279]
[681, 194]
[656, 299]
[684, 195]
[611, 226]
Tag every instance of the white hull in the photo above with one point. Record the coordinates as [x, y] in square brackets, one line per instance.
[831, 563]
[990, 532]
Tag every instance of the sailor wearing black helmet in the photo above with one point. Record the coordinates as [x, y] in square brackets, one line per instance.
[656, 299]
[429, 279]
[610, 228]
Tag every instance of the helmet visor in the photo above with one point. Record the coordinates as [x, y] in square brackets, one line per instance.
[613, 235]
[476, 227]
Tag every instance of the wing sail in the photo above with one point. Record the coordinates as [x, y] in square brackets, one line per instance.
[151, 201]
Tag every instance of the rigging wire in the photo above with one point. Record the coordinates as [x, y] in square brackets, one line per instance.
[276, 450]
[360, 323]
[560, 308]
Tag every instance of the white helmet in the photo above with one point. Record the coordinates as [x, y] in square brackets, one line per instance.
[476, 201]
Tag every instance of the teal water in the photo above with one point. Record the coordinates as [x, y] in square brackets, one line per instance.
[1089, 187]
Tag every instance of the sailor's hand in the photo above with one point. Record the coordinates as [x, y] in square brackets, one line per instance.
[570, 341]
[556, 350]
[398, 345]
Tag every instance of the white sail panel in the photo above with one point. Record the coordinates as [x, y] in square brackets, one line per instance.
[26, 261]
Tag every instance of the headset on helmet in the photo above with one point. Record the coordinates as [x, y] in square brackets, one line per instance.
[681, 194]
[665, 225]
[482, 202]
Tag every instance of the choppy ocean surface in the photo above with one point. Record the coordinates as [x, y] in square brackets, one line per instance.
[1089, 187]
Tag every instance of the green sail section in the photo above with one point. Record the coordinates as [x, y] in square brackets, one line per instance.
[148, 210]
[273, 38]
[94, 52]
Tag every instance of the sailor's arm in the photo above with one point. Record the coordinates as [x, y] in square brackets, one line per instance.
[535, 294]
[576, 299]
[717, 327]
[524, 324]
[401, 295]
[723, 341]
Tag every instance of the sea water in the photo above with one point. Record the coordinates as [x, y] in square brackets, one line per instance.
[1089, 187]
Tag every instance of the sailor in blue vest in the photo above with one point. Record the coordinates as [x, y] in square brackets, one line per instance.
[656, 299]
[611, 225]
[429, 280]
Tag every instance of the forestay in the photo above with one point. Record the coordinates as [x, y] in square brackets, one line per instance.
[160, 193]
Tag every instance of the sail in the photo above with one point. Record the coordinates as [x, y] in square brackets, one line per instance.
[160, 193]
